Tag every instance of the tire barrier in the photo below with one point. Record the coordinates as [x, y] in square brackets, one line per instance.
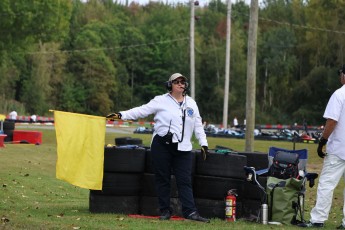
[120, 184]
[9, 125]
[251, 209]
[8, 128]
[210, 208]
[124, 160]
[9, 137]
[215, 208]
[222, 171]
[135, 141]
[26, 119]
[210, 187]
[258, 160]
[129, 185]
[128, 141]
[229, 165]
[113, 204]
[149, 189]
[252, 195]
[149, 168]
[149, 206]
[252, 192]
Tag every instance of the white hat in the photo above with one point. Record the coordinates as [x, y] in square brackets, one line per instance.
[175, 76]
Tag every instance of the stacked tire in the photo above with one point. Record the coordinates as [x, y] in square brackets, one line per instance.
[8, 128]
[214, 178]
[253, 196]
[125, 141]
[123, 172]
[129, 183]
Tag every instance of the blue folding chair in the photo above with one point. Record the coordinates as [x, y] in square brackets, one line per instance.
[302, 156]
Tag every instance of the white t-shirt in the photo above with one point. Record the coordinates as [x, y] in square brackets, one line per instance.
[235, 122]
[13, 115]
[335, 110]
[168, 113]
[33, 117]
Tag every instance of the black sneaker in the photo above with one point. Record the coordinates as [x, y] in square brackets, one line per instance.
[196, 217]
[341, 227]
[311, 225]
[165, 215]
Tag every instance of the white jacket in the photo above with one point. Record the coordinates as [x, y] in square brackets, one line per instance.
[168, 114]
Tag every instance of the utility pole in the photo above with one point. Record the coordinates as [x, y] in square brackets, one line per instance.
[251, 75]
[192, 58]
[227, 67]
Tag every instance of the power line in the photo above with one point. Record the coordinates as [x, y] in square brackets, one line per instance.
[302, 26]
[106, 48]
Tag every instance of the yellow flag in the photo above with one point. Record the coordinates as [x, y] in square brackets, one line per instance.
[80, 149]
[2, 117]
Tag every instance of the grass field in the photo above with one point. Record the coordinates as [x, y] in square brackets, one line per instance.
[32, 198]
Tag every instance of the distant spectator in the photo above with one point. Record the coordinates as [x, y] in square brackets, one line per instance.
[13, 115]
[235, 122]
[256, 132]
[33, 118]
[305, 125]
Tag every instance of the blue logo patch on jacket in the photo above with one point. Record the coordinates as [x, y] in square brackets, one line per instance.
[190, 111]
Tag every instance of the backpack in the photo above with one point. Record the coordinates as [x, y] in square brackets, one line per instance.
[284, 200]
[284, 165]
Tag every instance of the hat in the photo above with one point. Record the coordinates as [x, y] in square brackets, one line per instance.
[175, 76]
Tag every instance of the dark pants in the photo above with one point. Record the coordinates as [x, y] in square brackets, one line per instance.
[166, 157]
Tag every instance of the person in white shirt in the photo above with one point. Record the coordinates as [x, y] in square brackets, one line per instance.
[13, 115]
[235, 122]
[334, 157]
[176, 117]
[33, 118]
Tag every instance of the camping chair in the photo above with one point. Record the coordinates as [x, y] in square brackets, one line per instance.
[286, 184]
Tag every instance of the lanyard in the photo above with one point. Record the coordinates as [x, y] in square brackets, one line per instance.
[183, 117]
[183, 120]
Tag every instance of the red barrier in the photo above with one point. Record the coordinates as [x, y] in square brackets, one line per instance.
[32, 137]
[2, 138]
[27, 119]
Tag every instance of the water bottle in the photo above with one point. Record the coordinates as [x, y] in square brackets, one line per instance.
[264, 214]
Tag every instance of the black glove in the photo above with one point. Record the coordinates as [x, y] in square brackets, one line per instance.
[322, 143]
[114, 116]
[204, 151]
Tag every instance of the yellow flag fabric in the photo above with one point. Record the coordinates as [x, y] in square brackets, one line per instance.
[2, 117]
[80, 149]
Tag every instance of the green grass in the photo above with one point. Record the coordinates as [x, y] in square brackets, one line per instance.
[32, 198]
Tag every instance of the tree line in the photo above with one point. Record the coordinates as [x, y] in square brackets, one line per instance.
[99, 56]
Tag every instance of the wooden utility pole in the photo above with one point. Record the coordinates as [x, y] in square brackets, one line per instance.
[251, 75]
[192, 58]
[227, 67]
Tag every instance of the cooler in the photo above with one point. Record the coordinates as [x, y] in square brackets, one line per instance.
[32, 137]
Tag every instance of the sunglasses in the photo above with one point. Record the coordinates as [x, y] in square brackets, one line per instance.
[176, 82]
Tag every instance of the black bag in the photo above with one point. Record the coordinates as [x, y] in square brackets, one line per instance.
[284, 166]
